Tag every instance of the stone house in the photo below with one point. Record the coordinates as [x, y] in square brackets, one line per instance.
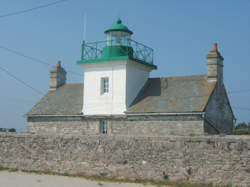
[118, 96]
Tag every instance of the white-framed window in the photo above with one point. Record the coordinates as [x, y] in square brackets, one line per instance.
[103, 127]
[105, 85]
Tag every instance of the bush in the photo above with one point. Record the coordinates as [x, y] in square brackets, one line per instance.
[7, 130]
[2, 130]
[242, 131]
[12, 130]
[241, 125]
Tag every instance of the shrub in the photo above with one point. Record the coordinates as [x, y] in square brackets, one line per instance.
[2, 130]
[2, 168]
[7, 130]
[242, 125]
[12, 130]
[242, 131]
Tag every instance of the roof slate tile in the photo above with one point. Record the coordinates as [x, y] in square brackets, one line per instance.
[159, 95]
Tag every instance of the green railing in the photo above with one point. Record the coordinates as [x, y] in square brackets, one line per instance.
[95, 50]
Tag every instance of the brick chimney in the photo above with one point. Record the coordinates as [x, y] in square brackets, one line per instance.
[215, 65]
[57, 76]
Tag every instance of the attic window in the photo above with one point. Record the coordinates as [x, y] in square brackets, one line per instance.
[104, 85]
[104, 127]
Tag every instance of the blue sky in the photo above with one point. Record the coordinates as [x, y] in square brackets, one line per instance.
[180, 32]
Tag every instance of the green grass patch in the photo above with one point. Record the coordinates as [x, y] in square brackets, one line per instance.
[13, 170]
[242, 132]
[3, 168]
[248, 170]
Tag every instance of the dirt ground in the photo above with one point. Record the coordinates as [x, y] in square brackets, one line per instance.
[20, 179]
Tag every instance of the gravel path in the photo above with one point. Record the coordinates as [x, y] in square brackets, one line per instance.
[20, 179]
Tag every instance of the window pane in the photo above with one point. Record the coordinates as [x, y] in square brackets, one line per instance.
[105, 85]
[104, 128]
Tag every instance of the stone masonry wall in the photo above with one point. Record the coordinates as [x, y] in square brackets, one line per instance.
[122, 125]
[118, 127]
[194, 159]
[64, 127]
[157, 128]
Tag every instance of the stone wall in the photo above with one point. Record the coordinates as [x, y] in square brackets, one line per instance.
[152, 126]
[194, 159]
[156, 128]
[64, 127]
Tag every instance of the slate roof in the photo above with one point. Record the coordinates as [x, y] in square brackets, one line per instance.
[173, 95]
[66, 100]
[159, 95]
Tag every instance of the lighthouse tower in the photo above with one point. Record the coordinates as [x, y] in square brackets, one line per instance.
[115, 70]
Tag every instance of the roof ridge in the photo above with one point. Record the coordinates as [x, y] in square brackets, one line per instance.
[181, 76]
[73, 84]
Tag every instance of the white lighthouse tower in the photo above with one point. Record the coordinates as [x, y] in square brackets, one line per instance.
[114, 72]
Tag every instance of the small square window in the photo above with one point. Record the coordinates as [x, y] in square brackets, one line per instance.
[104, 85]
[104, 127]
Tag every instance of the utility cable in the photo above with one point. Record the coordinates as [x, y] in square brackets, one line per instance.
[40, 93]
[45, 63]
[241, 108]
[21, 81]
[238, 91]
[31, 9]
[34, 59]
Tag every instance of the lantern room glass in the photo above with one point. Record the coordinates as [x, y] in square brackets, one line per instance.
[116, 38]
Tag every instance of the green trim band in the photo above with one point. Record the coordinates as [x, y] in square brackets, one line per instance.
[115, 59]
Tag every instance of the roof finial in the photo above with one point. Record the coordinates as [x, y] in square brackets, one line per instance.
[58, 63]
[119, 21]
[215, 47]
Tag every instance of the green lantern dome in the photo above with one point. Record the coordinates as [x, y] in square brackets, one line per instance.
[118, 26]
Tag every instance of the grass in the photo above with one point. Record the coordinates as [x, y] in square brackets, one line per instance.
[106, 179]
[248, 170]
[3, 168]
[242, 132]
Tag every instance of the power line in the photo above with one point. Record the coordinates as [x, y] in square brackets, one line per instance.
[241, 108]
[45, 63]
[31, 9]
[21, 81]
[33, 58]
[238, 91]
[40, 93]
[23, 55]
[78, 74]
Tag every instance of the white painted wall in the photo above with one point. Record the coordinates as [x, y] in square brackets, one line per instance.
[96, 103]
[126, 78]
[137, 76]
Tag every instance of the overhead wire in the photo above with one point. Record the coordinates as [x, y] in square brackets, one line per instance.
[241, 108]
[238, 91]
[45, 63]
[21, 81]
[34, 59]
[41, 93]
[26, 56]
[31, 9]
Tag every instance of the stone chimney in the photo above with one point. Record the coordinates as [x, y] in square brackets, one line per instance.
[57, 76]
[215, 65]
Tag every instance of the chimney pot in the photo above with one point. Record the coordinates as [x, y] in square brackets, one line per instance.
[58, 63]
[57, 76]
[215, 65]
[215, 47]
